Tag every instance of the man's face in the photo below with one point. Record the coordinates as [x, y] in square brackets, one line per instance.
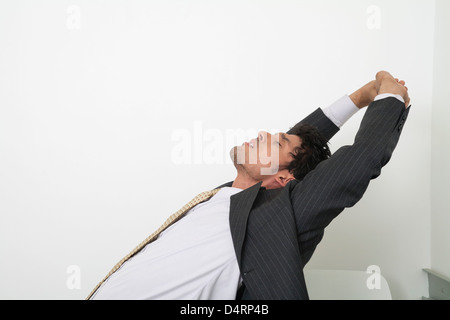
[265, 155]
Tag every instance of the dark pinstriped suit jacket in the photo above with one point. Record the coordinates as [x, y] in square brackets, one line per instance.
[275, 232]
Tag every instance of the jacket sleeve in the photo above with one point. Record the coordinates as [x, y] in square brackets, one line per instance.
[319, 120]
[340, 182]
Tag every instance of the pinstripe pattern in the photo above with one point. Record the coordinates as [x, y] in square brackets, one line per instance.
[275, 232]
[318, 119]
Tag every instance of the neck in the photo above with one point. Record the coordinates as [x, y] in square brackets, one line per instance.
[243, 181]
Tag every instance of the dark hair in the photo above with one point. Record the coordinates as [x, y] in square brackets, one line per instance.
[314, 149]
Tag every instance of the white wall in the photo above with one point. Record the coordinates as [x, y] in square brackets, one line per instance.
[390, 226]
[93, 95]
[440, 133]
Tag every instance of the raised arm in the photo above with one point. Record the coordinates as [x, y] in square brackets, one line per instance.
[319, 120]
[329, 120]
[341, 181]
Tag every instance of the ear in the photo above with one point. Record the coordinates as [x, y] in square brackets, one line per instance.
[279, 180]
[284, 179]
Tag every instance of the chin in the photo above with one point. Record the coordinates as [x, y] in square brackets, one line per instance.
[237, 155]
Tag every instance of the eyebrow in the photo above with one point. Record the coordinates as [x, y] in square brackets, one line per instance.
[283, 136]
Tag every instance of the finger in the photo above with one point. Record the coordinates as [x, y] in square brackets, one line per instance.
[407, 100]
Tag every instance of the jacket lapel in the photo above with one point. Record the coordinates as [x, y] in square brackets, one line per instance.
[240, 206]
[228, 184]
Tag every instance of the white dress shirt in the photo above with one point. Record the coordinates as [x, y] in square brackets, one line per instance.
[194, 259]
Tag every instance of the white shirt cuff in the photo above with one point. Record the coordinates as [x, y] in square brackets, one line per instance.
[341, 111]
[387, 95]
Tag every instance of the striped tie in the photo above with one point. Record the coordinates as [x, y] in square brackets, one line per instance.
[202, 197]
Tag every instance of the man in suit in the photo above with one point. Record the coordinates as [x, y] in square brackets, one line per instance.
[256, 234]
